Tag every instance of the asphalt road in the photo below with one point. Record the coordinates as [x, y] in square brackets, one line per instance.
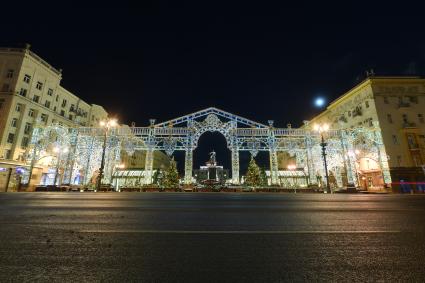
[211, 237]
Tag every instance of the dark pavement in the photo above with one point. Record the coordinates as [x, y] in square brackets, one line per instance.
[211, 237]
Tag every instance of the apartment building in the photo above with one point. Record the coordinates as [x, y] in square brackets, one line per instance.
[395, 106]
[30, 95]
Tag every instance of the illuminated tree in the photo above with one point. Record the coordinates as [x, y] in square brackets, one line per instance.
[252, 177]
[171, 178]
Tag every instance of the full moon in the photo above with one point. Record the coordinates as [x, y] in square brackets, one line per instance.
[319, 102]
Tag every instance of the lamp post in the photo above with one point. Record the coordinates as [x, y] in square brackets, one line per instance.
[321, 129]
[58, 152]
[106, 125]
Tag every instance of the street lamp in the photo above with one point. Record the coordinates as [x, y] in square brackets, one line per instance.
[106, 125]
[323, 128]
[58, 150]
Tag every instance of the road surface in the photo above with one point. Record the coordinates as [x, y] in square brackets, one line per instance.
[211, 237]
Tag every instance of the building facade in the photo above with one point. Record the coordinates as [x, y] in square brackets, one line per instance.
[395, 106]
[30, 96]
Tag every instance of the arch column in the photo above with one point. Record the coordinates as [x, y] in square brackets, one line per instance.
[274, 172]
[235, 165]
[188, 166]
[148, 166]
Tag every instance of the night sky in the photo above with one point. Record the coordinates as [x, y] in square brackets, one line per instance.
[262, 61]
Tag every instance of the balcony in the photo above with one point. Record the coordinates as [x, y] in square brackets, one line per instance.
[409, 125]
[403, 105]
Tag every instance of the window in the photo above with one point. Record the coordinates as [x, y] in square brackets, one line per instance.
[18, 107]
[370, 122]
[411, 141]
[36, 98]
[10, 138]
[44, 118]
[72, 108]
[47, 104]
[404, 118]
[57, 98]
[62, 113]
[7, 154]
[10, 73]
[421, 118]
[386, 100]
[14, 122]
[27, 129]
[367, 104]
[64, 103]
[54, 108]
[50, 92]
[23, 92]
[27, 79]
[70, 117]
[5, 87]
[24, 142]
[395, 140]
[349, 113]
[39, 86]
[413, 99]
[31, 113]
[389, 118]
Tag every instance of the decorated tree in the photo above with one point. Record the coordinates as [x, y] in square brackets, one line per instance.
[171, 178]
[263, 177]
[252, 177]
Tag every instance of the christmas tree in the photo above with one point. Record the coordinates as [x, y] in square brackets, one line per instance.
[171, 178]
[252, 177]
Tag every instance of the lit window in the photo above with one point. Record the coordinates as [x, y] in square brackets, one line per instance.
[23, 92]
[27, 79]
[39, 86]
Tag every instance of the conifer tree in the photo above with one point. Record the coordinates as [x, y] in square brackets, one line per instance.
[252, 177]
[171, 178]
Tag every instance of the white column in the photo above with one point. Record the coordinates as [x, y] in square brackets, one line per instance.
[188, 165]
[235, 166]
[148, 166]
[274, 172]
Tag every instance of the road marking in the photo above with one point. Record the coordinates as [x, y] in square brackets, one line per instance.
[238, 232]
